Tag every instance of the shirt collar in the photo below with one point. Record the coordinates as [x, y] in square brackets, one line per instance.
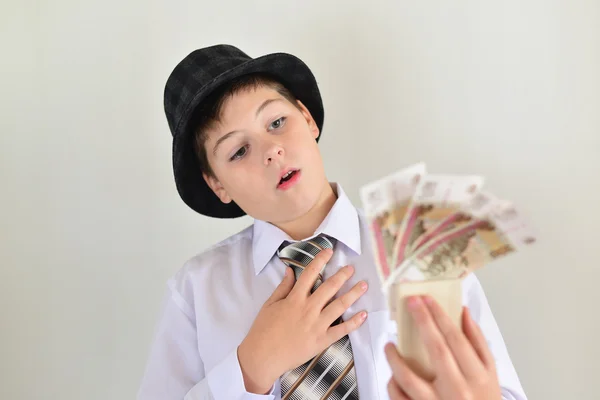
[340, 223]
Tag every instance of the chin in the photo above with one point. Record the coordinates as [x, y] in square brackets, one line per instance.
[290, 208]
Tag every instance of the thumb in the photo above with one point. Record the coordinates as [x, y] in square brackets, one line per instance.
[284, 288]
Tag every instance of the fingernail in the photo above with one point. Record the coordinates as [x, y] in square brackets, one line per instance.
[363, 315]
[413, 302]
[364, 285]
[428, 299]
[350, 268]
[468, 315]
[389, 346]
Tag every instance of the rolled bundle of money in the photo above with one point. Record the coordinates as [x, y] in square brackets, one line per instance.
[448, 294]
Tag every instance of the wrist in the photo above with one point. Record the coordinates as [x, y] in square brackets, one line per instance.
[257, 378]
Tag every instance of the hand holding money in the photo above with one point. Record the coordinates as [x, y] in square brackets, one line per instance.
[429, 231]
[466, 368]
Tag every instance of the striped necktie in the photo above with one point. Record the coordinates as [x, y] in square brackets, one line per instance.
[330, 374]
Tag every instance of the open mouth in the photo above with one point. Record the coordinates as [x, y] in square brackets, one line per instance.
[288, 178]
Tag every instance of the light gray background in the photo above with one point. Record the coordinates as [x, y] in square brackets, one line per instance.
[91, 224]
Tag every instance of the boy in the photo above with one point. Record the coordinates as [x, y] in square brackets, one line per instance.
[279, 310]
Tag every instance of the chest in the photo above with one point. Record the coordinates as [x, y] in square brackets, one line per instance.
[232, 299]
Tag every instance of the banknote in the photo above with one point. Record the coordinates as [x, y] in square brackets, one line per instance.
[475, 207]
[466, 248]
[436, 198]
[385, 202]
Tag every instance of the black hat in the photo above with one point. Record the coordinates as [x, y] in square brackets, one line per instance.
[192, 80]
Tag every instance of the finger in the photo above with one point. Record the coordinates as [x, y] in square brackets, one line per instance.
[394, 391]
[467, 359]
[337, 307]
[311, 272]
[330, 287]
[284, 287]
[443, 362]
[408, 381]
[338, 331]
[476, 337]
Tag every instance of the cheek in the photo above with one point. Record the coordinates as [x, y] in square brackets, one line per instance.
[313, 153]
[242, 179]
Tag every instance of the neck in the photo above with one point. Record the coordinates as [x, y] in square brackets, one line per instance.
[306, 225]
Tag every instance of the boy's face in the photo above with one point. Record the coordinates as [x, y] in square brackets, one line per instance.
[261, 137]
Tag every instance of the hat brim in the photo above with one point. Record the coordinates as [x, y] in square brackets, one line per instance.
[292, 72]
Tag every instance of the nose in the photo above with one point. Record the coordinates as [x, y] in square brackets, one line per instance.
[273, 152]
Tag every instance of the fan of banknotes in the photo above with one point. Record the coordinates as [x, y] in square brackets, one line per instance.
[433, 226]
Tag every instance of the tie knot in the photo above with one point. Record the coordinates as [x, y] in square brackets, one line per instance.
[298, 255]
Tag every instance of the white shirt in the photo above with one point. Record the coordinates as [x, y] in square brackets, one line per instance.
[212, 301]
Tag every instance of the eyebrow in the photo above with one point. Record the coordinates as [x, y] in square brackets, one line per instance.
[222, 139]
[264, 105]
[228, 135]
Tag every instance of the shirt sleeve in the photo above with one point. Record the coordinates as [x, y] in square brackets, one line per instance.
[175, 371]
[481, 313]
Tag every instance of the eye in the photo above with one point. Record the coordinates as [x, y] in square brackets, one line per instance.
[239, 154]
[278, 123]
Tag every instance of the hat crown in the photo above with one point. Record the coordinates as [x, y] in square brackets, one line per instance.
[193, 74]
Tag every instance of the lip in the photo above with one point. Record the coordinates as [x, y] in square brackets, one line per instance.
[289, 183]
[285, 171]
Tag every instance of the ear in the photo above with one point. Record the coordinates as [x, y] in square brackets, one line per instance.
[216, 186]
[314, 129]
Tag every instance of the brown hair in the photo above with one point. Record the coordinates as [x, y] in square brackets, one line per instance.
[208, 112]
